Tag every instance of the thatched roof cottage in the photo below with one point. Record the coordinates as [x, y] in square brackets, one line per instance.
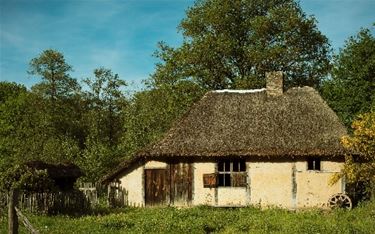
[242, 147]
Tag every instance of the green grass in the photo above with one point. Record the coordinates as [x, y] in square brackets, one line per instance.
[210, 220]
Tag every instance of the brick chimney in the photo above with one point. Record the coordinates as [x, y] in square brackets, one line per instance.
[274, 83]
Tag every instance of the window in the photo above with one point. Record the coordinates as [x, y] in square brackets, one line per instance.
[232, 173]
[313, 164]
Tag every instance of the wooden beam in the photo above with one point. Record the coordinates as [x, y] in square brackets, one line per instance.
[26, 222]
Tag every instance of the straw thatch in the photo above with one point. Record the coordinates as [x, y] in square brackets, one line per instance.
[297, 123]
[251, 124]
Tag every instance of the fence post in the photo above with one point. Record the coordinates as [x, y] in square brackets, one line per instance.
[12, 215]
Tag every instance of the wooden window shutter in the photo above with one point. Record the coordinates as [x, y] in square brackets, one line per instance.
[239, 179]
[210, 180]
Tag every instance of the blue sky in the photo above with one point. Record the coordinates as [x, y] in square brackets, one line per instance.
[122, 34]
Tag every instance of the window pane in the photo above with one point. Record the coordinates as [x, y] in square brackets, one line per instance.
[317, 164]
[221, 179]
[310, 164]
[227, 179]
[239, 179]
[242, 165]
[313, 164]
[220, 166]
[227, 165]
[235, 166]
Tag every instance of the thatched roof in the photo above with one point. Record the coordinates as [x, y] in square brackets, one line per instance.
[240, 123]
[56, 171]
[250, 123]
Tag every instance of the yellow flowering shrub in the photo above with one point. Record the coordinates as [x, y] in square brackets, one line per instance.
[360, 164]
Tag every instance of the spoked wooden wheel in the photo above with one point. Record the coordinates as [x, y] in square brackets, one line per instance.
[340, 200]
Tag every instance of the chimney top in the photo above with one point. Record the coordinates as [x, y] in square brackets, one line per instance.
[274, 83]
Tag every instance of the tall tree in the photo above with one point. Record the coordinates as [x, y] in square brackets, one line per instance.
[106, 101]
[59, 91]
[51, 66]
[57, 109]
[351, 90]
[103, 121]
[232, 43]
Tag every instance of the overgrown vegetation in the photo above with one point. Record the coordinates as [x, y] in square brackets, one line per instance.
[211, 220]
[359, 168]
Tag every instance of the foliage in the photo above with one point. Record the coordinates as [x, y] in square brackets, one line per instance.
[103, 123]
[28, 133]
[105, 103]
[361, 166]
[152, 112]
[231, 44]
[212, 220]
[53, 69]
[351, 90]
[23, 178]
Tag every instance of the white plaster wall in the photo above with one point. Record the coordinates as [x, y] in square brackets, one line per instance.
[232, 196]
[133, 184]
[301, 166]
[330, 166]
[201, 195]
[313, 188]
[271, 183]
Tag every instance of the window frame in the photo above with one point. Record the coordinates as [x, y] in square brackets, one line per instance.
[229, 169]
[314, 164]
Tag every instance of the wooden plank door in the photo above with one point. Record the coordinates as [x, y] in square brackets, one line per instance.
[155, 186]
[181, 180]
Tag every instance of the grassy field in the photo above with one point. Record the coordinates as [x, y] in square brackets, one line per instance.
[209, 220]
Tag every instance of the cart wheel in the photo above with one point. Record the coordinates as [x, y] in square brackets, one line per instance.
[340, 200]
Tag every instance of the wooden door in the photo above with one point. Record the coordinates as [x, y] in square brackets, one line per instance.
[155, 186]
[181, 180]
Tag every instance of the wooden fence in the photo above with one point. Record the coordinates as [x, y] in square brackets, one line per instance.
[116, 195]
[72, 202]
[91, 191]
[55, 202]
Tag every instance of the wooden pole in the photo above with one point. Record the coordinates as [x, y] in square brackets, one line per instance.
[26, 222]
[12, 215]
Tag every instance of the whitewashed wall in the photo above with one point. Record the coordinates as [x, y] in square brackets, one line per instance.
[313, 189]
[201, 195]
[133, 184]
[269, 184]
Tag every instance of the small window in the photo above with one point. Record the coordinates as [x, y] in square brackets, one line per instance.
[313, 164]
[232, 173]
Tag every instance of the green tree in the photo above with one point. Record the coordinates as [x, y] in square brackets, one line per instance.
[151, 113]
[232, 43]
[103, 120]
[51, 66]
[12, 109]
[351, 90]
[26, 133]
[59, 95]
